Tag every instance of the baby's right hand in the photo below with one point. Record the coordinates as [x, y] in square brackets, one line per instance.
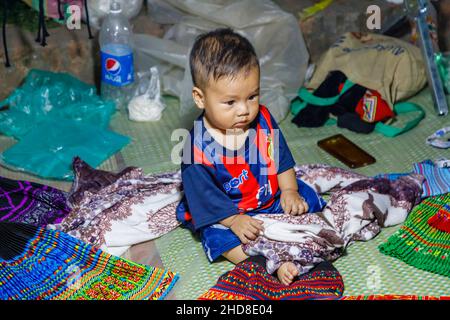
[246, 228]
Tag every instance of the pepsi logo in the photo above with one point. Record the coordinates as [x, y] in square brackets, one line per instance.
[112, 66]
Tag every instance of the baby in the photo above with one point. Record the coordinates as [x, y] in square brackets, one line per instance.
[236, 162]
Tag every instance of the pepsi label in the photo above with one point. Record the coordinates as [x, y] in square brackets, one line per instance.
[117, 70]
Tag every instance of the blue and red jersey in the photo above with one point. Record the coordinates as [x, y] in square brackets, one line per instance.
[219, 183]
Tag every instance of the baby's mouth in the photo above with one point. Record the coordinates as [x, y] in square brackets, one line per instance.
[240, 124]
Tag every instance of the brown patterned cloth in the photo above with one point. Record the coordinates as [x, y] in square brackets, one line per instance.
[116, 210]
[358, 208]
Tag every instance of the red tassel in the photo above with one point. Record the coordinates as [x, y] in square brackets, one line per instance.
[441, 220]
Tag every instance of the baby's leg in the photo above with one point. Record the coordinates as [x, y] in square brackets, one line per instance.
[235, 255]
[286, 273]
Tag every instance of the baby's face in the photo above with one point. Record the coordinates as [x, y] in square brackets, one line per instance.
[232, 103]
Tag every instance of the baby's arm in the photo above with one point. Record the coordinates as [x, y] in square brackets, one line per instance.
[291, 201]
[244, 226]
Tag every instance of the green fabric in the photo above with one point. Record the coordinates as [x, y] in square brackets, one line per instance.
[305, 97]
[419, 244]
[47, 150]
[400, 109]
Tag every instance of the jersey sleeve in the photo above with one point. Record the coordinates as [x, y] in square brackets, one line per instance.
[206, 200]
[285, 159]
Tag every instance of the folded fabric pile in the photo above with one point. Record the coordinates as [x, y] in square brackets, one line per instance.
[115, 211]
[420, 244]
[39, 264]
[250, 281]
[437, 179]
[31, 203]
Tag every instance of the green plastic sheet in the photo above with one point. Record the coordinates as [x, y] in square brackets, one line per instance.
[47, 95]
[55, 117]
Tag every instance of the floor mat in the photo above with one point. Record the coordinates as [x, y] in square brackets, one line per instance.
[364, 269]
[180, 252]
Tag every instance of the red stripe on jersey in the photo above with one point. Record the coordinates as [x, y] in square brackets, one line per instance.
[249, 188]
[263, 146]
[200, 157]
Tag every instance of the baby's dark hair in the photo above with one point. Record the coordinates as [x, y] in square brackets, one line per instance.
[220, 53]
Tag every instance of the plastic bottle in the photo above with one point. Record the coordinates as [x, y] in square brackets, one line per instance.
[116, 46]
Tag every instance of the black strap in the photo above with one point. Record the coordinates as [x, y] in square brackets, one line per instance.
[44, 26]
[87, 19]
[61, 16]
[5, 46]
[42, 30]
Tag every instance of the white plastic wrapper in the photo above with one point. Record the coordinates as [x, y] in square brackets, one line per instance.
[100, 8]
[274, 33]
[147, 106]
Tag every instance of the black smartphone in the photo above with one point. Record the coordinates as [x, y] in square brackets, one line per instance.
[346, 151]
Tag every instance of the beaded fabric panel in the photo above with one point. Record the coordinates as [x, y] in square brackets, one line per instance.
[419, 244]
[56, 266]
[250, 281]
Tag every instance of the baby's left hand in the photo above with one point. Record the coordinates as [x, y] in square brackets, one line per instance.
[292, 203]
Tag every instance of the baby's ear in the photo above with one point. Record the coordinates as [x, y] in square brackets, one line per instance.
[199, 97]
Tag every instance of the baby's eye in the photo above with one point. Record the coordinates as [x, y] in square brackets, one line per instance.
[230, 103]
[253, 97]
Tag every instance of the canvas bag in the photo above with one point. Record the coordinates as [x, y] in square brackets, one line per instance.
[388, 65]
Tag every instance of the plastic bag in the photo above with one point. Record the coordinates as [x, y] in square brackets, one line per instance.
[147, 105]
[47, 150]
[56, 117]
[443, 65]
[46, 95]
[100, 8]
[163, 13]
[275, 34]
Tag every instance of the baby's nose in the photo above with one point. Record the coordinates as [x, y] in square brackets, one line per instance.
[243, 109]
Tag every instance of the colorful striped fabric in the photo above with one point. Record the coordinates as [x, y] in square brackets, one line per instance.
[250, 281]
[437, 179]
[56, 266]
[419, 244]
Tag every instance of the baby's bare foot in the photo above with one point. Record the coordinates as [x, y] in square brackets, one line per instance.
[286, 273]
